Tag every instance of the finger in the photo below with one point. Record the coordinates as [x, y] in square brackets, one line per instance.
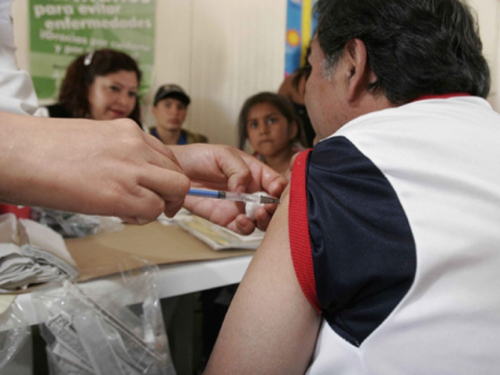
[129, 220]
[161, 149]
[139, 206]
[169, 185]
[272, 183]
[136, 220]
[220, 212]
[157, 190]
[171, 208]
[235, 169]
[242, 225]
[214, 166]
[145, 205]
[263, 216]
[263, 177]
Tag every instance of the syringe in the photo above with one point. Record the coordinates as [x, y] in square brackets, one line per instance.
[231, 196]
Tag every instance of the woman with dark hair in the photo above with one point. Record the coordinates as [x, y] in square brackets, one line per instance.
[101, 85]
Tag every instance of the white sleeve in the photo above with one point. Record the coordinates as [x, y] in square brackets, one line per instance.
[17, 93]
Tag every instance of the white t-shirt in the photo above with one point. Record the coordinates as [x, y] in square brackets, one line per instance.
[395, 237]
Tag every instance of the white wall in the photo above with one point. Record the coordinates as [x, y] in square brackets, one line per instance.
[219, 51]
[488, 12]
[222, 51]
[238, 49]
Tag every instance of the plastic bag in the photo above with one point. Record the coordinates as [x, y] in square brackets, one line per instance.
[14, 331]
[71, 225]
[102, 334]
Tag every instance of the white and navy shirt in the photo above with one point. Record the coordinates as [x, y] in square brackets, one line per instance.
[395, 238]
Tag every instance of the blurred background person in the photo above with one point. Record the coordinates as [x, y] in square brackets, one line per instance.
[170, 110]
[293, 87]
[100, 85]
[273, 129]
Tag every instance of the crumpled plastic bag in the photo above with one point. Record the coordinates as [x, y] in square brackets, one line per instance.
[14, 331]
[71, 225]
[115, 332]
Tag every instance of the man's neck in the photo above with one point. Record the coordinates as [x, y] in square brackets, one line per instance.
[169, 137]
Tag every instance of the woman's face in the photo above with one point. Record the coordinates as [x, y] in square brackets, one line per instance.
[269, 132]
[113, 96]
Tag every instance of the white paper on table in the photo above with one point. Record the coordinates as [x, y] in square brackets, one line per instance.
[31, 254]
[46, 239]
[8, 229]
[217, 237]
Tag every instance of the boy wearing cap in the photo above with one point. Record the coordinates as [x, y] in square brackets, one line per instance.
[170, 110]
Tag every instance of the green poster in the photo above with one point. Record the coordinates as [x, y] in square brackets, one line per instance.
[61, 30]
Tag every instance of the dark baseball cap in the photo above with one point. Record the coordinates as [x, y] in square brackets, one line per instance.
[171, 91]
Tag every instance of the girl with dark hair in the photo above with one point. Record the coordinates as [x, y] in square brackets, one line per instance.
[101, 85]
[293, 88]
[273, 129]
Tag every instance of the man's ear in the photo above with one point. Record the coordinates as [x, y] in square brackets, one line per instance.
[358, 72]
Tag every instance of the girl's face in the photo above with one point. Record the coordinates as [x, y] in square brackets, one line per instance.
[269, 132]
[113, 96]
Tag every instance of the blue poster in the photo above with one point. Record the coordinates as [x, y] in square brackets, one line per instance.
[300, 26]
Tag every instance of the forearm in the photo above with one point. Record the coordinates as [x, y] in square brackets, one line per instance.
[40, 160]
[16, 149]
[94, 167]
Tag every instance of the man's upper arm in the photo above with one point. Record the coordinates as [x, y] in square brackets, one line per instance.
[270, 327]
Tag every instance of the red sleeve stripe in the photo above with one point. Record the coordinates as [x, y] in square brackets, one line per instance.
[298, 228]
[442, 96]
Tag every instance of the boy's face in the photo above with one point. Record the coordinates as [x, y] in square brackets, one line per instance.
[170, 114]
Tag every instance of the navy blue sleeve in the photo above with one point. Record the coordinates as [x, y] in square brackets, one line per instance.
[363, 251]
